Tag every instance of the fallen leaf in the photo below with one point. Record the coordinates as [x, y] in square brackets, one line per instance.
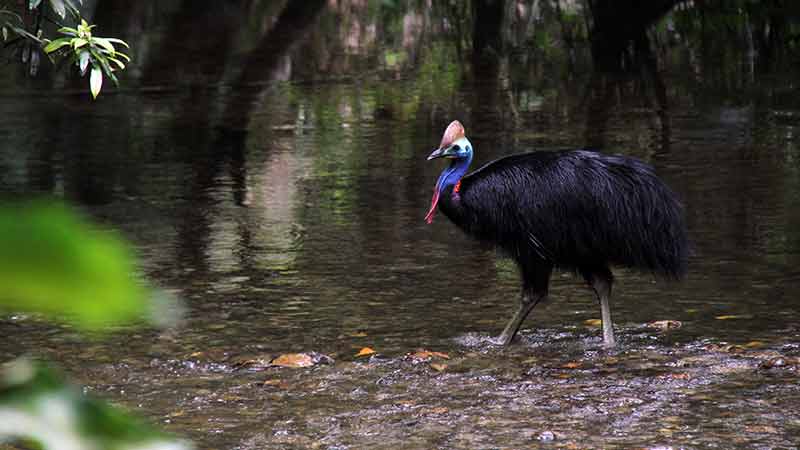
[754, 344]
[365, 352]
[734, 316]
[438, 367]
[294, 360]
[438, 410]
[358, 334]
[280, 384]
[593, 322]
[665, 324]
[680, 376]
[726, 348]
[767, 429]
[255, 363]
[571, 365]
[427, 354]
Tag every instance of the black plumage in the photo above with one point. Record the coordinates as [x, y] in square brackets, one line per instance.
[577, 210]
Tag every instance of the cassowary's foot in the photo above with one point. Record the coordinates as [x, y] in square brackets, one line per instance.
[513, 326]
[608, 325]
[504, 339]
[601, 280]
[608, 339]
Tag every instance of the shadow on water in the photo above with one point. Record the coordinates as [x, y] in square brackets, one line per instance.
[273, 175]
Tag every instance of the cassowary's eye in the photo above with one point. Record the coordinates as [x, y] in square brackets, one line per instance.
[456, 148]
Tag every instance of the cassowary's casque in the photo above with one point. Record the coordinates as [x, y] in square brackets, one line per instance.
[576, 210]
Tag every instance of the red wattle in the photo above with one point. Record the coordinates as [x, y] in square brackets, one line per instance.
[434, 202]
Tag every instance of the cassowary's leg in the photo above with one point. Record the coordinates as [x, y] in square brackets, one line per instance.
[534, 290]
[601, 280]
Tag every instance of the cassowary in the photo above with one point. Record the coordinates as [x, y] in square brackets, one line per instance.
[576, 210]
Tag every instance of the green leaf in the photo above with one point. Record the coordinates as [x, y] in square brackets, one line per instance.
[73, 9]
[68, 30]
[39, 403]
[57, 44]
[55, 263]
[83, 61]
[119, 63]
[5, 33]
[123, 56]
[59, 7]
[118, 41]
[96, 81]
[33, 4]
[78, 43]
[113, 78]
[102, 42]
[102, 60]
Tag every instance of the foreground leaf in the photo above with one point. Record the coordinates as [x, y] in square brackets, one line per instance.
[38, 404]
[54, 262]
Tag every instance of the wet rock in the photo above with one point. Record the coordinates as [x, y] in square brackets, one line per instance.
[665, 325]
[779, 362]
[251, 363]
[725, 348]
[546, 436]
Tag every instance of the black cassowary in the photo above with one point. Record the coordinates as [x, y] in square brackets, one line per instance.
[576, 210]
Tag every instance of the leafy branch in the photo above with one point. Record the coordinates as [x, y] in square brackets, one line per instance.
[77, 44]
[86, 49]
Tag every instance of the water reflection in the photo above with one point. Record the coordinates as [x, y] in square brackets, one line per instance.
[272, 174]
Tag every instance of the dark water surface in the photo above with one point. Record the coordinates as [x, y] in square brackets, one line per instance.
[279, 190]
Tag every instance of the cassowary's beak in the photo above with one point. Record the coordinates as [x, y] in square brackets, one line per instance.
[442, 153]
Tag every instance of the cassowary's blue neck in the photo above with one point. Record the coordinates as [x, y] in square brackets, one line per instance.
[450, 177]
[452, 174]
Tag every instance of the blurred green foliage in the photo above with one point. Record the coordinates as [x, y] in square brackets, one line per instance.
[54, 262]
[40, 407]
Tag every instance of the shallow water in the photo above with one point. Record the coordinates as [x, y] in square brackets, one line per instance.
[284, 205]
